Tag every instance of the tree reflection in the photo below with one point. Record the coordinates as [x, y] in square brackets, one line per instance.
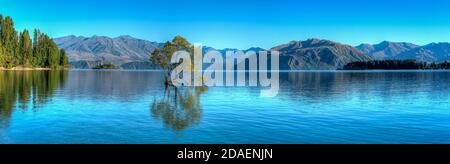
[181, 109]
[26, 90]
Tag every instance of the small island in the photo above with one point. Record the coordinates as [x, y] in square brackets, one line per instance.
[106, 66]
[19, 52]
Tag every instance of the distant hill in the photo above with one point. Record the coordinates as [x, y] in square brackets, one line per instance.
[317, 54]
[118, 51]
[434, 52]
[386, 50]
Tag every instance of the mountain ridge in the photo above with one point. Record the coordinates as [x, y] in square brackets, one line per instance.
[386, 49]
[433, 52]
[118, 50]
[314, 53]
[318, 54]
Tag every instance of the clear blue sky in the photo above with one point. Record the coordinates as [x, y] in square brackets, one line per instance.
[239, 23]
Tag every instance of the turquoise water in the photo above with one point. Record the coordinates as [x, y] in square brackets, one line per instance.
[312, 107]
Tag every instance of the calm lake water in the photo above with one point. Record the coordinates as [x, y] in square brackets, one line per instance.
[312, 107]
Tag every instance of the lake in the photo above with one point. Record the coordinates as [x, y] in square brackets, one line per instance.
[312, 107]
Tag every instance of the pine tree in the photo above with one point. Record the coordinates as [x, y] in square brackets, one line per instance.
[42, 51]
[53, 54]
[64, 59]
[9, 41]
[46, 53]
[25, 48]
[1, 22]
[2, 56]
[1, 45]
[21, 50]
[35, 60]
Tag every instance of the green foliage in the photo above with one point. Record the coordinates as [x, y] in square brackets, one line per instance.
[2, 56]
[162, 57]
[181, 43]
[64, 59]
[9, 41]
[22, 51]
[25, 48]
[106, 66]
[53, 54]
[35, 61]
[1, 45]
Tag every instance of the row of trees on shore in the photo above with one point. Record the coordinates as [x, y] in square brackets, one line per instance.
[19, 49]
[395, 65]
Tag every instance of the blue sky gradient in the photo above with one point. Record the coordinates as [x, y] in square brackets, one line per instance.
[239, 23]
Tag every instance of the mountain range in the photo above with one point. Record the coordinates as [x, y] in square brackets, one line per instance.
[312, 54]
[386, 50]
[434, 52]
[86, 52]
[317, 54]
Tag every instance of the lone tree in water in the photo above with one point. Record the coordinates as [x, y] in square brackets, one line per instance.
[162, 57]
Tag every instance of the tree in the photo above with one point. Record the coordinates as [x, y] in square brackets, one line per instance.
[162, 58]
[35, 59]
[1, 20]
[9, 41]
[2, 56]
[45, 51]
[53, 54]
[25, 48]
[42, 50]
[21, 50]
[181, 43]
[64, 60]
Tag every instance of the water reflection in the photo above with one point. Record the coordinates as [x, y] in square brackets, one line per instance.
[111, 85]
[180, 109]
[332, 85]
[27, 90]
[312, 107]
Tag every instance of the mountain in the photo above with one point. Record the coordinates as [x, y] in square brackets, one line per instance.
[118, 51]
[124, 51]
[131, 53]
[386, 50]
[434, 52]
[317, 54]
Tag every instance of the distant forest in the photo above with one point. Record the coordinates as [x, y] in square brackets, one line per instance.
[395, 65]
[18, 49]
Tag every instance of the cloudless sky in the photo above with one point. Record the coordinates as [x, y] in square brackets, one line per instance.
[239, 23]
